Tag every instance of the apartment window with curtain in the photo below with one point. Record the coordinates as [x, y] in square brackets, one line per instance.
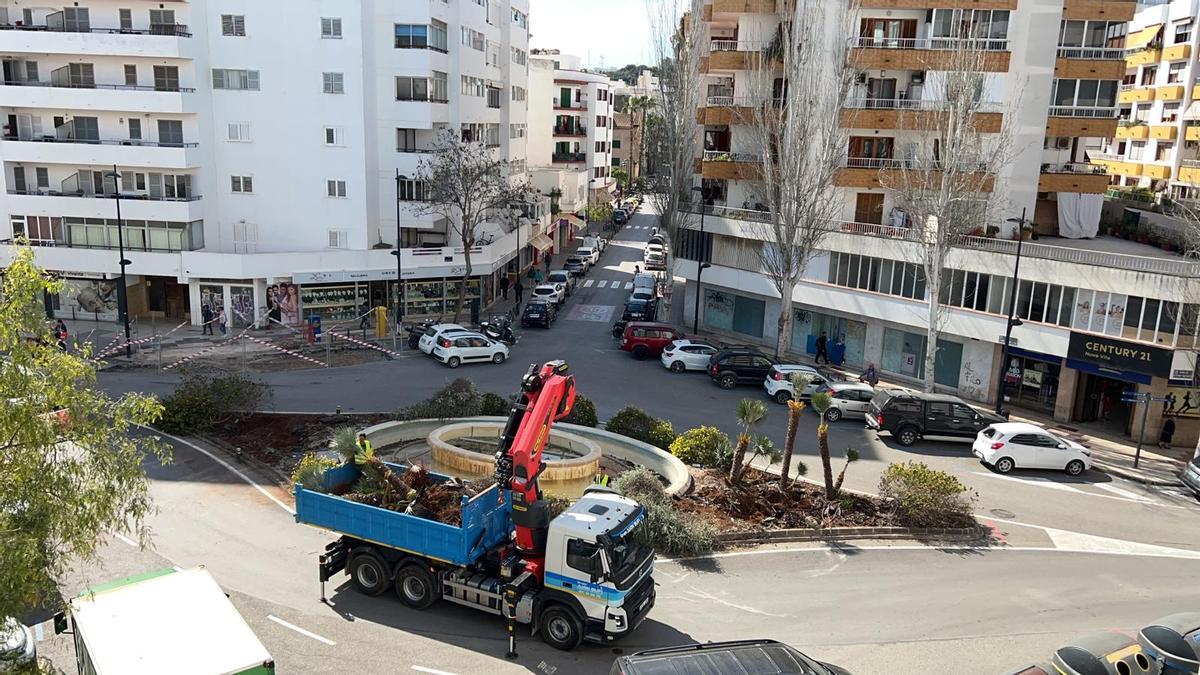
[406, 140]
[239, 132]
[333, 83]
[331, 28]
[1085, 93]
[518, 93]
[1183, 32]
[413, 191]
[438, 36]
[1175, 72]
[233, 25]
[990, 25]
[166, 78]
[493, 97]
[228, 78]
[518, 56]
[1170, 112]
[439, 87]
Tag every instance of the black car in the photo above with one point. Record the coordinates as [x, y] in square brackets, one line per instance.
[620, 217]
[575, 265]
[639, 310]
[738, 656]
[539, 313]
[739, 365]
[909, 416]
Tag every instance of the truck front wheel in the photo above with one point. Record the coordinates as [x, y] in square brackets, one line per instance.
[416, 587]
[368, 573]
[560, 629]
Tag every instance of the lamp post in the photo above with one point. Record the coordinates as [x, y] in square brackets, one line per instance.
[1012, 308]
[122, 297]
[700, 264]
[399, 258]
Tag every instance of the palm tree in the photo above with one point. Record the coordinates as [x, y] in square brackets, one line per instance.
[820, 403]
[799, 382]
[750, 411]
[640, 106]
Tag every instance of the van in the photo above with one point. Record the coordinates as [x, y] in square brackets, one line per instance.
[737, 656]
[647, 338]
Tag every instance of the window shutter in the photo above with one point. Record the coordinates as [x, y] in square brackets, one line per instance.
[156, 185]
[252, 80]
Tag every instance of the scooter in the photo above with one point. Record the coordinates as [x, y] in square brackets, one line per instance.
[415, 331]
[500, 330]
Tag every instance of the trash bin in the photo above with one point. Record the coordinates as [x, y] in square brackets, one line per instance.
[1106, 653]
[1173, 642]
[1034, 669]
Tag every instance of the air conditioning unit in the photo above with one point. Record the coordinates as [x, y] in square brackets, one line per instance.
[918, 77]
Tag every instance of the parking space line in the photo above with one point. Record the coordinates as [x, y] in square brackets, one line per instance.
[1037, 481]
[1122, 492]
[301, 631]
[423, 669]
[125, 539]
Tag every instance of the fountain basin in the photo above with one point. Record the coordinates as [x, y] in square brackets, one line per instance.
[580, 457]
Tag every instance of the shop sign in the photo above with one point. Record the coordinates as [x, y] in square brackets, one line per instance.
[1120, 355]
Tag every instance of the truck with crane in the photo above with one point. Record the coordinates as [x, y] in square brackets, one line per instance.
[576, 577]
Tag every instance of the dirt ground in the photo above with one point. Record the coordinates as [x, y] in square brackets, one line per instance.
[256, 357]
[281, 440]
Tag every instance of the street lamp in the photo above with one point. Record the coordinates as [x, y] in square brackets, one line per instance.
[399, 258]
[700, 264]
[1012, 308]
[122, 298]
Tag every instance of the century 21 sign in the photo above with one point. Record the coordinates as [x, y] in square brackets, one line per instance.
[1120, 355]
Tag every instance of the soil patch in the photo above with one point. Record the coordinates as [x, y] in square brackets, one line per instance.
[281, 440]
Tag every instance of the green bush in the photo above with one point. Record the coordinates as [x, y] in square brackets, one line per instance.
[494, 405]
[642, 485]
[202, 402]
[703, 446]
[633, 422]
[457, 399]
[662, 434]
[583, 413]
[665, 529]
[925, 497]
[310, 471]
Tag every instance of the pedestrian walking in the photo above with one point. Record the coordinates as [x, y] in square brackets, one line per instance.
[519, 289]
[206, 316]
[636, 270]
[821, 349]
[549, 258]
[60, 333]
[869, 375]
[1164, 436]
[364, 312]
[537, 276]
[504, 286]
[221, 321]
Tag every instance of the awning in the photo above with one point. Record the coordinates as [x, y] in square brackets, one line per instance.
[1193, 111]
[1143, 37]
[572, 220]
[541, 242]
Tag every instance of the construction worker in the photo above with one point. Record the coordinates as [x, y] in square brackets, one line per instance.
[602, 479]
[364, 445]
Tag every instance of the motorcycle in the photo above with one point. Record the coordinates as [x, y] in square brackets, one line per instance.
[499, 330]
[415, 331]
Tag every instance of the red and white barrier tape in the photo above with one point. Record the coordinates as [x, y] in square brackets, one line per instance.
[285, 351]
[206, 350]
[114, 350]
[365, 344]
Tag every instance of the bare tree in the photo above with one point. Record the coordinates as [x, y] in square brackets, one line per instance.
[793, 128]
[463, 182]
[943, 183]
[677, 43]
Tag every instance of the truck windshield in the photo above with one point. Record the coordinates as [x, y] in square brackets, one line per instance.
[625, 558]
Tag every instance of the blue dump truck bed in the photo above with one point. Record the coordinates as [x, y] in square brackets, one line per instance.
[485, 521]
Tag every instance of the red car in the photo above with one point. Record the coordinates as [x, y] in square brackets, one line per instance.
[648, 338]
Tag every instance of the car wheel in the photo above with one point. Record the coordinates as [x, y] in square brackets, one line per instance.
[783, 396]
[498, 357]
[416, 587]
[453, 361]
[1004, 465]
[907, 436]
[640, 351]
[727, 381]
[560, 629]
[678, 367]
[833, 415]
[1074, 467]
[368, 574]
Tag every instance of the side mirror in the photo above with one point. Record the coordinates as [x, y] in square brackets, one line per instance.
[1062, 446]
[60, 623]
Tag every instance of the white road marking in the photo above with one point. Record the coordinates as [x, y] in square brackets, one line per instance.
[588, 283]
[232, 470]
[301, 631]
[1180, 553]
[602, 283]
[125, 539]
[177, 568]
[423, 669]
[1123, 493]
[1093, 543]
[628, 285]
[1039, 481]
[712, 598]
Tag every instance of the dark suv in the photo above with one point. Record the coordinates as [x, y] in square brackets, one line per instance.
[738, 656]
[739, 365]
[910, 416]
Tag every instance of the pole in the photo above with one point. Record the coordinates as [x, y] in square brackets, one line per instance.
[1008, 326]
[122, 297]
[399, 265]
[699, 269]
[1144, 399]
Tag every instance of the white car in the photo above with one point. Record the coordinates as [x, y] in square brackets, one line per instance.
[848, 398]
[459, 348]
[655, 256]
[562, 277]
[425, 344]
[598, 243]
[588, 253]
[17, 647]
[778, 382]
[1010, 445]
[555, 293]
[684, 355]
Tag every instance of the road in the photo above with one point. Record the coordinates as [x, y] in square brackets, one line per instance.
[869, 606]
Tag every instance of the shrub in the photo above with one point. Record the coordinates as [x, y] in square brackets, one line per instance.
[641, 484]
[583, 413]
[457, 399]
[925, 497]
[662, 434]
[202, 401]
[703, 446]
[310, 471]
[633, 422]
[555, 505]
[665, 529]
[494, 405]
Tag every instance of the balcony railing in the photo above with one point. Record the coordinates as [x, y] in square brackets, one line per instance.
[934, 43]
[1191, 164]
[81, 85]
[97, 141]
[570, 130]
[569, 157]
[571, 105]
[743, 101]
[1083, 111]
[100, 195]
[876, 163]
[176, 29]
[737, 46]
[1074, 168]
[726, 156]
[1091, 52]
[912, 104]
[1110, 156]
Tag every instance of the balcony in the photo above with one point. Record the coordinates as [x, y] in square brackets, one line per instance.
[949, 4]
[1107, 10]
[722, 164]
[871, 53]
[1164, 132]
[726, 110]
[1170, 92]
[126, 153]
[568, 157]
[1116, 164]
[570, 130]
[743, 7]
[1133, 93]
[1073, 177]
[133, 206]
[735, 55]
[1091, 53]
[560, 104]
[909, 114]
[1156, 171]
[1177, 52]
[875, 173]
[1139, 131]
[1082, 127]
[1191, 133]
[165, 41]
[1090, 63]
[1143, 57]
[1189, 171]
[126, 98]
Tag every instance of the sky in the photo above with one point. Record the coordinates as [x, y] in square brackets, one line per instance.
[604, 33]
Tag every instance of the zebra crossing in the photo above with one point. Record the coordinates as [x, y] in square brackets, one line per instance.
[604, 283]
[638, 227]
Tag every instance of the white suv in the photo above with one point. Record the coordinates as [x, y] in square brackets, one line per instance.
[779, 382]
[1010, 445]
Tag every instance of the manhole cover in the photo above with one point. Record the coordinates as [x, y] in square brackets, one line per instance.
[1001, 513]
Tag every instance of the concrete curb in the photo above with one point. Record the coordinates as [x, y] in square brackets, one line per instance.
[1134, 475]
[945, 534]
[279, 477]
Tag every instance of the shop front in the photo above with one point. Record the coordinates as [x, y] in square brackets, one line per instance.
[904, 354]
[343, 297]
[846, 338]
[1106, 368]
[733, 313]
[1031, 379]
[235, 298]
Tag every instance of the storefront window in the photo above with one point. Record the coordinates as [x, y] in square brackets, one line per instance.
[1031, 383]
[241, 299]
[718, 310]
[847, 337]
[732, 312]
[904, 353]
[212, 297]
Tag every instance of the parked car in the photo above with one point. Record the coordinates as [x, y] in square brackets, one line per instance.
[684, 355]
[565, 278]
[645, 280]
[658, 238]
[427, 341]
[910, 416]
[1018, 445]
[778, 382]
[457, 349]
[647, 338]
[732, 366]
[643, 295]
[847, 398]
[17, 646]
[598, 243]
[589, 254]
[539, 312]
[655, 257]
[1191, 476]
[575, 265]
[620, 217]
[756, 657]
[639, 310]
[555, 293]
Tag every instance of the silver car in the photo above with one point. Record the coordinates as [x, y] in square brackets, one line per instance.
[848, 398]
[17, 647]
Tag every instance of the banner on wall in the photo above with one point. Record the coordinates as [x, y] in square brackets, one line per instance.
[91, 296]
[1120, 355]
[283, 303]
[1182, 402]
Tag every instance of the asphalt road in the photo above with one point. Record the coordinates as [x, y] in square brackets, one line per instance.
[870, 607]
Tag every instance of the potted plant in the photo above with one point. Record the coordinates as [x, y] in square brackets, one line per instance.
[1027, 231]
[991, 231]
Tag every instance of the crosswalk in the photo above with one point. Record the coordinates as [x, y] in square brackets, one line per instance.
[605, 283]
[638, 227]
[1114, 490]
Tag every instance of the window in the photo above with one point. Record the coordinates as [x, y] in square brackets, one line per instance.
[439, 87]
[616, 161]
[1170, 112]
[335, 188]
[473, 39]
[472, 86]
[601, 94]
[333, 83]
[166, 78]
[170, 133]
[491, 135]
[1162, 152]
[1086, 33]
[520, 19]
[493, 97]
[125, 18]
[413, 191]
[1085, 93]
[331, 28]
[518, 56]
[601, 122]
[76, 20]
[412, 89]
[616, 144]
[411, 36]
[584, 557]
[80, 74]
[1183, 29]
[242, 184]
[135, 129]
[43, 177]
[968, 23]
[338, 239]
[518, 93]
[162, 22]
[1175, 72]
[516, 131]
[233, 25]
[130, 75]
[335, 136]
[438, 36]
[226, 78]
[239, 132]
[406, 140]
[1136, 149]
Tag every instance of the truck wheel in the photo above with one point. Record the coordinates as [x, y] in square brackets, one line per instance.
[907, 436]
[416, 587]
[368, 573]
[560, 629]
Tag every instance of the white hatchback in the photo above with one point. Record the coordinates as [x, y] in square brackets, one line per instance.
[425, 344]
[1010, 445]
[684, 355]
[778, 382]
[848, 398]
[459, 348]
[555, 293]
[588, 253]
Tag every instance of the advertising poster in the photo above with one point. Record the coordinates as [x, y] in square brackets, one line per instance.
[95, 297]
[1182, 402]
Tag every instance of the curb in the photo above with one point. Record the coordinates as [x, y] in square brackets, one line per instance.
[1134, 475]
[946, 534]
[280, 478]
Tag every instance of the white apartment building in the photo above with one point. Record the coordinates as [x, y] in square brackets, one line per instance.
[258, 147]
[1078, 298]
